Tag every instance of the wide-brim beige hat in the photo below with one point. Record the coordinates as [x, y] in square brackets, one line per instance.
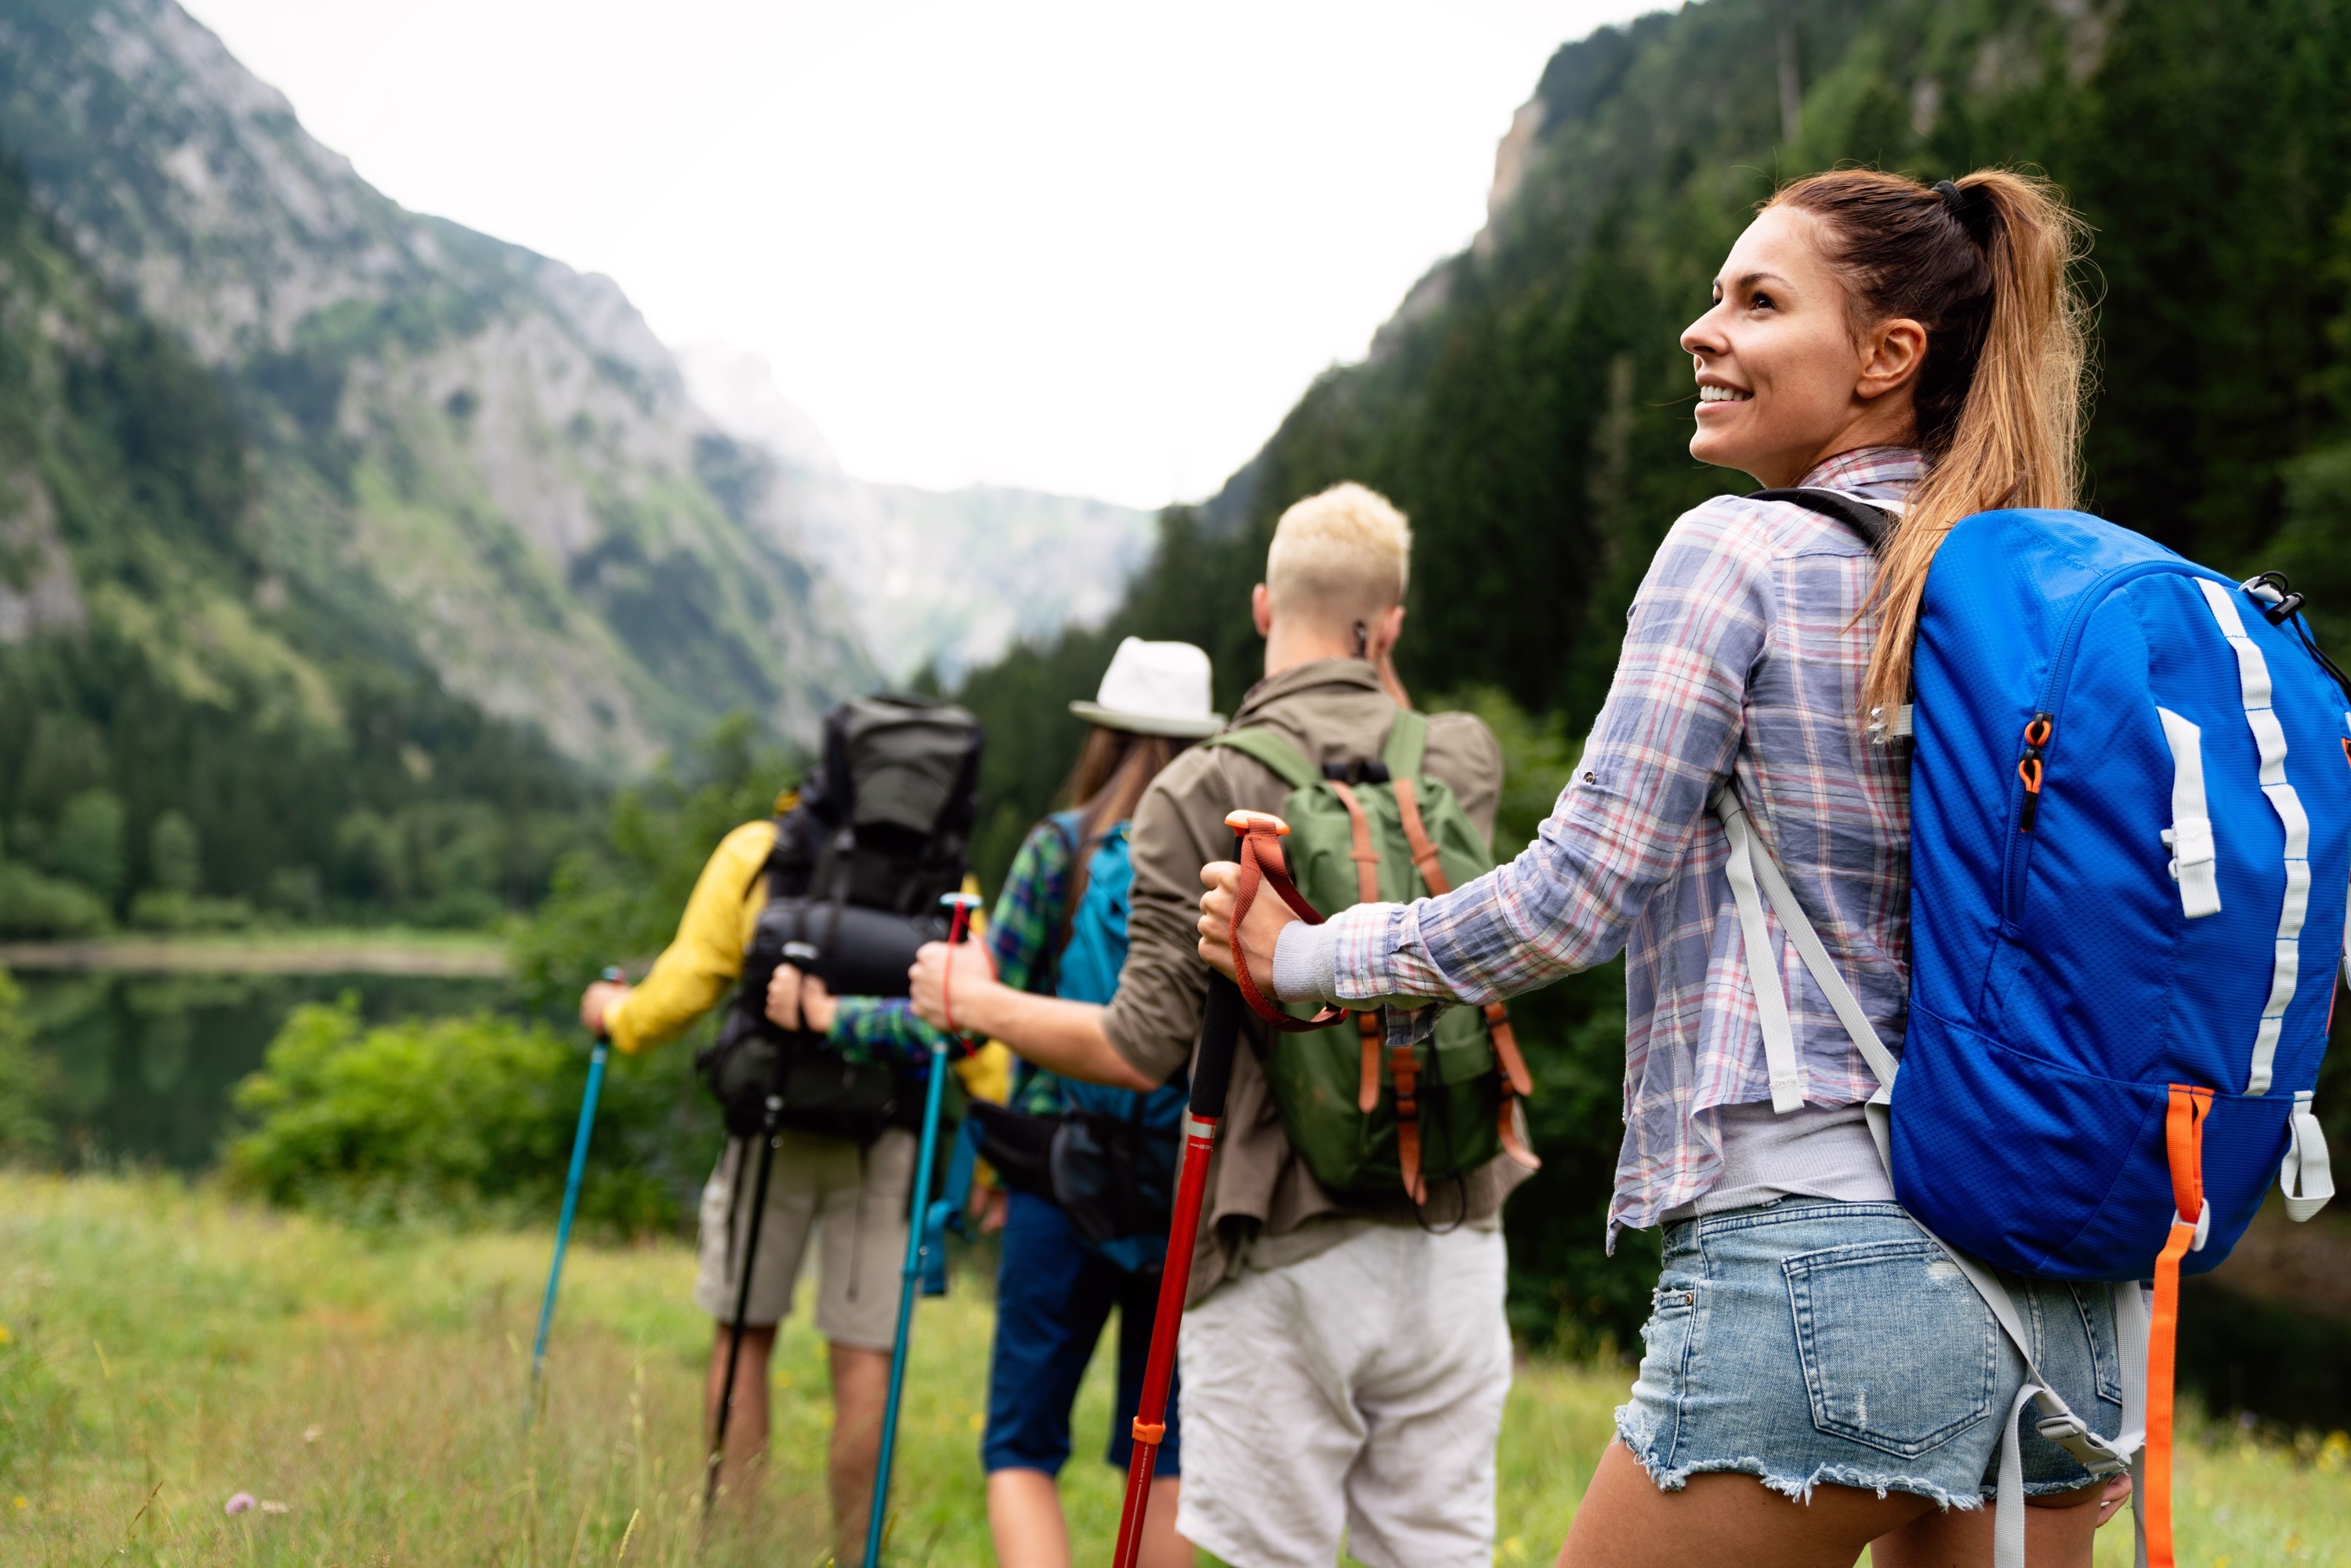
[1155, 688]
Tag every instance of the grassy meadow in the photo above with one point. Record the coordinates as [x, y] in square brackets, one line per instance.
[165, 1348]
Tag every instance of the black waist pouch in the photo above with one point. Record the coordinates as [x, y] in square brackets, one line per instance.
[1020, 1146]
[1113, 1177]
[823, 1092]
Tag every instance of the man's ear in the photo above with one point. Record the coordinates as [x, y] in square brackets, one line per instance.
[1891, 356]
[1261, 609]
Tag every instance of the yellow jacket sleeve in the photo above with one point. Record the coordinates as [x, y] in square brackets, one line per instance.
[986, 1073]
[702, 962]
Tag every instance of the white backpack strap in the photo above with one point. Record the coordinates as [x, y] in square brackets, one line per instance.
[2193, 857]
[1754, 865]
[1763, 963]
[2306, 1176]
[1799, 927]
[2269, 738]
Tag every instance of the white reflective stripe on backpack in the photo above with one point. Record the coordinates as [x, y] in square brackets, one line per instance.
[2193, 856]
[2058, 1422]
[2269, 737]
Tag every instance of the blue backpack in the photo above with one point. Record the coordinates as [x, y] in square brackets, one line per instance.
[1114, 1157]
[2130, 849]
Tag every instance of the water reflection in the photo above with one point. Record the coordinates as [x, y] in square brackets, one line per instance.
[147, 1063]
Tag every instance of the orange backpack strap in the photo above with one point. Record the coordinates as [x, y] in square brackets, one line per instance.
[1406, 1074]
[1366, 856]
[1262, 865]
[1509, 1066]
[1415, 833]
[2183, 1142]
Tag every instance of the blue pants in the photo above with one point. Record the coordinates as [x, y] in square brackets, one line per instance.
[1052, 1297]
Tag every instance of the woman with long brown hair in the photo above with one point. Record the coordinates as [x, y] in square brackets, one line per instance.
[1083, 1244]
[1819, 1378]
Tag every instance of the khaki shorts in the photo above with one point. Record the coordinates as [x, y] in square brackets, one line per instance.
[854, 1198]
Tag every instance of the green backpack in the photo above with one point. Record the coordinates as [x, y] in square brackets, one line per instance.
[1365, 1118]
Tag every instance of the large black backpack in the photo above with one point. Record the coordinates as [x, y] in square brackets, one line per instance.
[878, 835]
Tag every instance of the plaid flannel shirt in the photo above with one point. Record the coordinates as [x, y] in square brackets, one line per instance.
[1743, 658]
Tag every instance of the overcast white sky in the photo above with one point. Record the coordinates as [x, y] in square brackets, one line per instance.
[1077, 245]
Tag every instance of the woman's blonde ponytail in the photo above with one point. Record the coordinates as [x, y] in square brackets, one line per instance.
[1986, 264]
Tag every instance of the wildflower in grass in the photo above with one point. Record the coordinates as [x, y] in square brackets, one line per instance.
[240, 1502]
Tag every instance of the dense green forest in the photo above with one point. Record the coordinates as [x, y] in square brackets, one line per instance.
[185, 739]
[1529, 405]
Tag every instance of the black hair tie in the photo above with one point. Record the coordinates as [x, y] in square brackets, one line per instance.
[1970, 207]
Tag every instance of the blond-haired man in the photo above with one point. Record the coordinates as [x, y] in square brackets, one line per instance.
[1344, 1368]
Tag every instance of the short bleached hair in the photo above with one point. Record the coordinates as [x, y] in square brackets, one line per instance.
[1344, 555]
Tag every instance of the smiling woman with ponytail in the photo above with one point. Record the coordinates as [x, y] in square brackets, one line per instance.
[1983, 264]
[1818, 1378]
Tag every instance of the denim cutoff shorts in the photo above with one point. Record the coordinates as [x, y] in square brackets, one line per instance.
[1811, 1342]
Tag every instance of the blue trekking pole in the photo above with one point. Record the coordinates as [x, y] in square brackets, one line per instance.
[596, 1061]
[911, 1276]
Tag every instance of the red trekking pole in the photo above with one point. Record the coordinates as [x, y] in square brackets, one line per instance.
[1212, 1071]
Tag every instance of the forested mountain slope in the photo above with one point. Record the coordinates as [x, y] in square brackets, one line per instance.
[1529, 405]
[462, 450]
[181, 736]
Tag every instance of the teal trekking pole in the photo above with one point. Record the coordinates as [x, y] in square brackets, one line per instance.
[596, 1061]
[909, 1277]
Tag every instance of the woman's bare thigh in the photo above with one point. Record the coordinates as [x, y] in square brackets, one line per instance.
[1724, 1521]
[1627, 1520]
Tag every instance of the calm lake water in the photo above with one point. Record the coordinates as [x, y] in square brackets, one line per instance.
[147, 1063]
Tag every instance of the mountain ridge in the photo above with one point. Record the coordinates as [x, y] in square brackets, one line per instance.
[465, 446]
[939, 580]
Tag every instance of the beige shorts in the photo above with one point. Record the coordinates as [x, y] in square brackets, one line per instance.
[855, 1198]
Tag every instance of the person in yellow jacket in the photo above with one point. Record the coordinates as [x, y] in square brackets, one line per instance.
[854, 1198]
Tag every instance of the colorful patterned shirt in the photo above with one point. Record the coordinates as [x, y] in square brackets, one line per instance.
[1743, 659]
[1019, 934]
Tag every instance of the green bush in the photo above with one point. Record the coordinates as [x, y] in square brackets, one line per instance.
[168, 909]
[28, 1080]
[470, 1118]
[86, 846]
[34, 906]
[174, 854]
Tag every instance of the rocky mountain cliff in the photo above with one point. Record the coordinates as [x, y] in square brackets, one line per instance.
[464, 452]
[946, 579]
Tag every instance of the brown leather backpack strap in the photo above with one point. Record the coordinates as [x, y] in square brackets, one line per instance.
[1407, 1074]
[1507, 1059]
[1262, 866]
[1366, 854]
[1512, 1126]
[1510, 1067]
[1415, 833]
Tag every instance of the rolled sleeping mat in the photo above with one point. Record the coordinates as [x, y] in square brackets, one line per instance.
[859, 952]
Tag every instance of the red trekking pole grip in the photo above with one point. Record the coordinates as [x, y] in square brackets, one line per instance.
[1212, 1074]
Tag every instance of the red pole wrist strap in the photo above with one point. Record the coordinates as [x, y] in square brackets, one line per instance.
[1262, 865]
